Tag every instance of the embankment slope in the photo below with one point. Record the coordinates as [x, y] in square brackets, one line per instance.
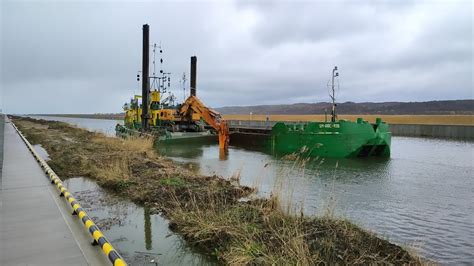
[207, 210]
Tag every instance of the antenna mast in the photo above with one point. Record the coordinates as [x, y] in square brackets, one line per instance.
[184, 86]
[154, 84]
[333, 95]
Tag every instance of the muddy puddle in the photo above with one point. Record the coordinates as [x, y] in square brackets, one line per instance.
[140, 237]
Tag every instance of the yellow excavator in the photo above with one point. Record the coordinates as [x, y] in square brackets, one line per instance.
[194, 110]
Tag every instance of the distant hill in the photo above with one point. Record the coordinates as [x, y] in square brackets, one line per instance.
[454, 107]
[461, 107]
[112, 116]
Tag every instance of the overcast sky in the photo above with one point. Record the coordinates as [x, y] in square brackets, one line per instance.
[83, 56]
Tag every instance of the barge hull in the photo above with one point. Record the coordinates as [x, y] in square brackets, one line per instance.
[339, 139]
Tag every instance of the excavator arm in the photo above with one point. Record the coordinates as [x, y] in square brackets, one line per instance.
[211, 117]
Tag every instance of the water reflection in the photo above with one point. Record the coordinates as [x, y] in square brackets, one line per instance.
[223, 154]
[147, 227]
[185, 150]
[124, 224]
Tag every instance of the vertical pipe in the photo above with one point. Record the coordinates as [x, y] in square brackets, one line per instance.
[193, 75]
[333, 112]
[145, 79]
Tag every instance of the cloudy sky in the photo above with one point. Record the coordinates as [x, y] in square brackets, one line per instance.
[83, 56]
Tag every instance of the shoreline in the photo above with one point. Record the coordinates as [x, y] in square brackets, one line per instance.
[207, 210]
[442, 120]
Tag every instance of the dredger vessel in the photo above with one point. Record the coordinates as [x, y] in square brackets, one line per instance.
[162, 118]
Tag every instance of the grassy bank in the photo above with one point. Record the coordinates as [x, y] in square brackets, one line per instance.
[207, 210]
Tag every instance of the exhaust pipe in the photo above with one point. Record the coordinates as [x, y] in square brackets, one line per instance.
[193, 75]
[145, 79]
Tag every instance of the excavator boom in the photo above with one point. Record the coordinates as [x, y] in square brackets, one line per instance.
[193, 105]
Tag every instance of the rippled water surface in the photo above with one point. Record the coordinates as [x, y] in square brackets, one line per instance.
[423, 196]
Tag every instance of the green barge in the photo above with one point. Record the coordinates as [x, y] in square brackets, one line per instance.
[339, 139]
[335, 138]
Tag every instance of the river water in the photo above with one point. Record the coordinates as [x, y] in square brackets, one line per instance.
[422, 197]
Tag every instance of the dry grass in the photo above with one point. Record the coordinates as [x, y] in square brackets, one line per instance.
[259, 232]
[129, 145]
[207, 210]
[255, 232]
[391, 119]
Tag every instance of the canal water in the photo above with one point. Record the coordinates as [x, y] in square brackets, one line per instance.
[140, 237]
[422, 197]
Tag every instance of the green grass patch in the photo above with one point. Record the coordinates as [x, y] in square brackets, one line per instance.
[173, 181]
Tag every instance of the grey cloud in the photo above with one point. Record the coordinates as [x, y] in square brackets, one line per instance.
[82, 57]
[300, 21]
[381, 45]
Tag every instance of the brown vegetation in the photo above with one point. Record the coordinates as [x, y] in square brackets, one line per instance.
[449, 107]
[391, 119]
[208, 210]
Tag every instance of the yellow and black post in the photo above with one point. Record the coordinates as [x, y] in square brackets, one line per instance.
[99, 239]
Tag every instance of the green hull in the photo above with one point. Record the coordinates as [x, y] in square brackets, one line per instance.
[339, 139]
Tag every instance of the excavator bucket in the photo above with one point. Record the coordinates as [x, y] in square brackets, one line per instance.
[223, 135]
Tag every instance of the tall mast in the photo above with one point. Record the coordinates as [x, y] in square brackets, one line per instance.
[193, 76]
[184, 86]
[333, 95]
[145, 79]
[153, 78]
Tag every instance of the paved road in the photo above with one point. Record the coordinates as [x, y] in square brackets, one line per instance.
[36, 226]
